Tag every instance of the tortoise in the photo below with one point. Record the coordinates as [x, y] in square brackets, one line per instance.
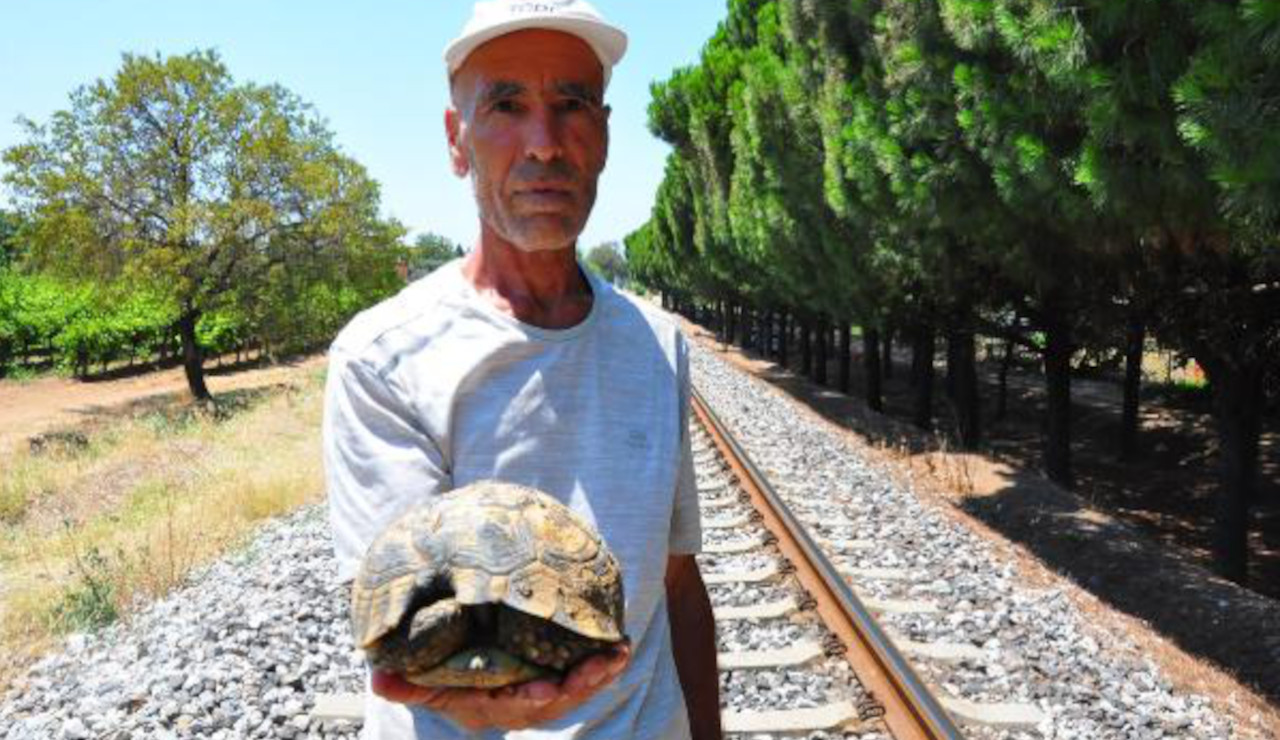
[488, 585]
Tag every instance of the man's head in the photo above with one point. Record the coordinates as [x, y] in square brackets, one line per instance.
[528, 121]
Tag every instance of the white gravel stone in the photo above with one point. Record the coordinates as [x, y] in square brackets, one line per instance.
[244, 647]
[238, 652]
[1039, 648]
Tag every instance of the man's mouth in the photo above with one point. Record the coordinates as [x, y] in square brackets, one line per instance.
[544, 196]
[544, 189]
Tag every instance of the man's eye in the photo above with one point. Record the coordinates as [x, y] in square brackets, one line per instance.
[576, 105]
[506, 106]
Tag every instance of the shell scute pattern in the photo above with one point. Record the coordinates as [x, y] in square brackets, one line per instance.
[495, 546]
[497, 573]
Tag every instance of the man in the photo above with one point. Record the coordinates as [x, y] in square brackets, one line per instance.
[514, 364]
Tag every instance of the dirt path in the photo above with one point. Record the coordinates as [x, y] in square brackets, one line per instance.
[31, 407]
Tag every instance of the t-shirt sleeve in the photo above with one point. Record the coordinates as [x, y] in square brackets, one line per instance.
[686, 517]
[378, 460]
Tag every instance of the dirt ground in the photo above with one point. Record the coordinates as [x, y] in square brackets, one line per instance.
[1130, 554]
[28, 408]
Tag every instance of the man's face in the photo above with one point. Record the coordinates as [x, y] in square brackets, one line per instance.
[529, 125]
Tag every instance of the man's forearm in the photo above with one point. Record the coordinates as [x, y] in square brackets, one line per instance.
[693, 640]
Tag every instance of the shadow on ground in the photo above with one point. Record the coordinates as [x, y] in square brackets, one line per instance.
[1121, 536]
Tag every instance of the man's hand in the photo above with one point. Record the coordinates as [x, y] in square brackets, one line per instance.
[512, 707]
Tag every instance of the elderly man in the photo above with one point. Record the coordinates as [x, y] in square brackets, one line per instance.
[515, 364]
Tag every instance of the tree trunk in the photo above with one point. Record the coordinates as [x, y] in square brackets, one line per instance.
[951, 384]
[1057, 373]
[806, 348]
[1134, 343]
[784, 335]
[922, 351]
[961, 345]
[917, 357]
[770, 343]
[824, 337]
[1002, 403]
[845, 359]
[193, 356]
[871, 367]
[886, 354]
[1237, 402]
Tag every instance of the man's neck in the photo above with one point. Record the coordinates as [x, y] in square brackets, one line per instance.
[545, 289]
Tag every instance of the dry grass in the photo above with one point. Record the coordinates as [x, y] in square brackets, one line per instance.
[86, 534]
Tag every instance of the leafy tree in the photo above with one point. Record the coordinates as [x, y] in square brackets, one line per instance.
[172, 175]
[1220, 297]
[1065, 175]
[607, 261]
[690, 112]
[429, 251]
[10, 247]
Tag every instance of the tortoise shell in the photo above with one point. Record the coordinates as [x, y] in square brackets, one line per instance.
[484, 586]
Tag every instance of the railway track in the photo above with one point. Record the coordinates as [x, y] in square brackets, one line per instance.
[760, 551]
[753, 538]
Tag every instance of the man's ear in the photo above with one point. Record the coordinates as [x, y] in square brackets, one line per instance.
[608, 113]
[454, 129]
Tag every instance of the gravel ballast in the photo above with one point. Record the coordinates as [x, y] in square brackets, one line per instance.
[244, 648]
[1040, 648]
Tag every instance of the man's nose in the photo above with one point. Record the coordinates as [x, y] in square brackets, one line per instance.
[542, 134]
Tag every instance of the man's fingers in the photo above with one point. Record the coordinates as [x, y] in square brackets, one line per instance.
[596, 671]
[511, 707]
[394, 688]
[538, 693]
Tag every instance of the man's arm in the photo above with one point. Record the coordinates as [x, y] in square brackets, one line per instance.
[693, 640]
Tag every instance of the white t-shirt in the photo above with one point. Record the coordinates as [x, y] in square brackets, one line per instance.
[435, 388]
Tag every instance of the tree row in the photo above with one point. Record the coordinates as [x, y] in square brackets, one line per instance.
[1062, 176]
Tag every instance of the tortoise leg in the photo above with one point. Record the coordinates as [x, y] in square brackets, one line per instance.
[428, 638]
[542, 642]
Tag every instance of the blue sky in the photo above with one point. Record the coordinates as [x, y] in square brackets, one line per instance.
[373, 70]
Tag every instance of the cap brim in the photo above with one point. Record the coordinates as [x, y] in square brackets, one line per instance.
[609, 43]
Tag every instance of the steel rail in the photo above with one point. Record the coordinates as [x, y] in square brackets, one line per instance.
[911, 710]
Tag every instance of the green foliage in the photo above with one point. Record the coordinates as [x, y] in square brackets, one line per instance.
[429, 251]
[1227, 111]
[11, 250]
[607, 261]
[217, 196]
[89, 605]
[1047, 170]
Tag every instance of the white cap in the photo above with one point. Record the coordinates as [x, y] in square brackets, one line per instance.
[494, 18]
